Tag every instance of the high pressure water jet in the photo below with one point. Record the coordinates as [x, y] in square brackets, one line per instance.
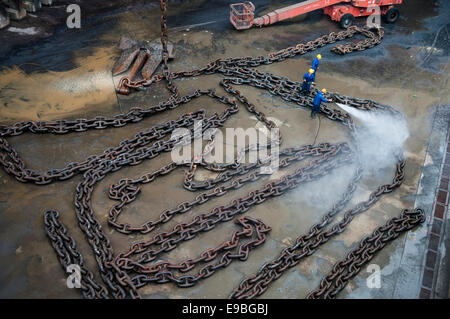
[381, 135]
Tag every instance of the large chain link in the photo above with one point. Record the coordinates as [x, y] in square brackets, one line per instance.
[123, 273]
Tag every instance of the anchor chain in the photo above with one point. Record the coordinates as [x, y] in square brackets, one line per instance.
[344, 270]
[308, 243]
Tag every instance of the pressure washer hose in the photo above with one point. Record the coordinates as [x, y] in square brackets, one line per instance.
[318, 129]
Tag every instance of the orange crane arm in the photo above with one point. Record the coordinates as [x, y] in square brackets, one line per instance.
[294, 10]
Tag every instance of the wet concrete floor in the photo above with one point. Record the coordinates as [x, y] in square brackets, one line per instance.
[68, 75]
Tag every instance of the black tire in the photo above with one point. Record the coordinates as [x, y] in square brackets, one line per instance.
[347, 20]
[392, 15]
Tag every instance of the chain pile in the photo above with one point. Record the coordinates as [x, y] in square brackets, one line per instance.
[124, 272]
[308, 243]
[349, 267]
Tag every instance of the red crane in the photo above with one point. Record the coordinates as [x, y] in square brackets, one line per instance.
[242, 15]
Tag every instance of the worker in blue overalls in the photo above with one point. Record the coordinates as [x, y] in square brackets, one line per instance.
[315, 64]
[307, 79]
[318, 99]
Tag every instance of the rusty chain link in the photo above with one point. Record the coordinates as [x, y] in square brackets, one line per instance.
[349, 267]
[124, 272]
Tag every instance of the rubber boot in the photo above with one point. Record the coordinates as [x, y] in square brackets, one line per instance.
[32, 5]
[15, 9]
[4, 18]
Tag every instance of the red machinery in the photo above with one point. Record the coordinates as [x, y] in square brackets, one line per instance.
[344, 11]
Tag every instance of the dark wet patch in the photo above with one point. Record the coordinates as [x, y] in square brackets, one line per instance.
[56, 53]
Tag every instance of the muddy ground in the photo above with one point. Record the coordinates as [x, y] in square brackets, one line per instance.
[67, 74]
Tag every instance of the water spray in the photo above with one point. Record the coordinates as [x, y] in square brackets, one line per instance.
[381, 136]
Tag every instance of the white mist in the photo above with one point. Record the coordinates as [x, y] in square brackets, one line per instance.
[380, 135]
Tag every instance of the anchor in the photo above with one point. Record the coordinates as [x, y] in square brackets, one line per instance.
[144, 56]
